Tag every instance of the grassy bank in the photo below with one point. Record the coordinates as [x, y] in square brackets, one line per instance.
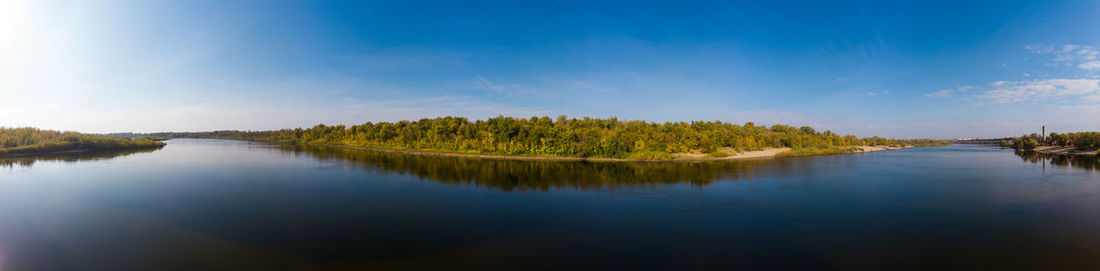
[31, 141]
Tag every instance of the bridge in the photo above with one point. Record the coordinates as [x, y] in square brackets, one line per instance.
[980, 140]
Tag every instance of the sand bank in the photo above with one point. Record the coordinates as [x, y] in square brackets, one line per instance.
[1063, 150]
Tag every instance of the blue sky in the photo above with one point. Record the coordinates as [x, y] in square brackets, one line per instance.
[889, 68]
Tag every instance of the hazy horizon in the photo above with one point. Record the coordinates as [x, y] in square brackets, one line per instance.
[899, 69]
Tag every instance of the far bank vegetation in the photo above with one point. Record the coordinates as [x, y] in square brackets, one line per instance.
[32, 141]
[1082, 141]
[568, 137]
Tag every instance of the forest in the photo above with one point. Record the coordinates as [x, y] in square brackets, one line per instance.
[1079, 140]
[571, 137]
[30, 141]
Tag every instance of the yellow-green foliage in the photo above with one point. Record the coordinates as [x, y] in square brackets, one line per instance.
[152, 138]
[544, 136]
[1079, 140]
[15, 137]
[20, 141]
[649, 155]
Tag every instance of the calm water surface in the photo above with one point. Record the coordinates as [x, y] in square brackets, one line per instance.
[232, 205]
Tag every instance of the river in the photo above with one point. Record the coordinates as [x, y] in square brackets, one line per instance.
[235, 205]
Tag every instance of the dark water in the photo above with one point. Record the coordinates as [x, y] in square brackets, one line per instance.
[230, 205]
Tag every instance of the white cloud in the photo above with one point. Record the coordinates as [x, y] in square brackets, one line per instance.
[1091, 65]
[944, 93]
[1037, 90]
[872, 93]
[1085, 57]
[1088, 53]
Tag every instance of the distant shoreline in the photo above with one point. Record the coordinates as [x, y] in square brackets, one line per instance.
[19, 142]
[758, 154]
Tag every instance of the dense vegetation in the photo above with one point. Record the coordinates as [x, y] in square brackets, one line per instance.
[543, 136]
[1081, 141]
[138, 136]
[25, 141]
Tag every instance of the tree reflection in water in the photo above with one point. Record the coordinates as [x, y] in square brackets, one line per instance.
[509, 175]
[1077, 161]
[28, 161]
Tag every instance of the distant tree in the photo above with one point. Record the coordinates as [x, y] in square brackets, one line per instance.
[563, 136]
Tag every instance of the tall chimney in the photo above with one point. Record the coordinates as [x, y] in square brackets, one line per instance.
[1044, 131]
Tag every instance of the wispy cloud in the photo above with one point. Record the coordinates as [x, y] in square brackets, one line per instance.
[1091, 65]
[490, 85]
[508, 89]
[1006, 92]
[1082, 56]
[872, 93]
[578, 85]
[945, 93]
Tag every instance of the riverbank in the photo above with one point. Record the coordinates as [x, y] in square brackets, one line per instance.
[883, 148]
[77, 143]
[1059, 150]
[678, 157]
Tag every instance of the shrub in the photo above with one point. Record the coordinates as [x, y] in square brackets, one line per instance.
[649, 155]
[1029, 143]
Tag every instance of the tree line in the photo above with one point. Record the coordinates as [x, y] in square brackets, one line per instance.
[24, 141]
[1079, 140]
[15, 137]
[544, 136]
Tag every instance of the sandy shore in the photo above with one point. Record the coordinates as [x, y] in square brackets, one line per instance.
[697, 156]
[882, 148]
[765, 153]
[1063, 150]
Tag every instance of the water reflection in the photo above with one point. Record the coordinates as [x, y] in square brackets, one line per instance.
[232, 205]
[1077, 161]
[509, 175]
[28, 161]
